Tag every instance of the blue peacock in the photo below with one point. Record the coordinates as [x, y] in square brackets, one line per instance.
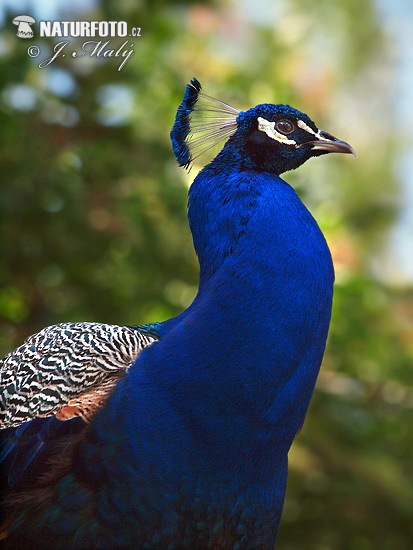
[175, 435]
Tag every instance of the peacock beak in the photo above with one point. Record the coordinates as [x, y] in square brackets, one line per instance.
[330, 144]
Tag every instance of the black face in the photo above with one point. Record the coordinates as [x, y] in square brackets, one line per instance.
[278, 138]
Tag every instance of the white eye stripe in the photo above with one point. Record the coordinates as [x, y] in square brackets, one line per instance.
[269, 128]
[301, 124]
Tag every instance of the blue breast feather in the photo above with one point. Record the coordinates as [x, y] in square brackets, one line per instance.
[191, 449]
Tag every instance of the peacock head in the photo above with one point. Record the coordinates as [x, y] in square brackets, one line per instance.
[267, 138]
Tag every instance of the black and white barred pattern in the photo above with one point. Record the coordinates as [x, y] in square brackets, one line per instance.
[60, 364]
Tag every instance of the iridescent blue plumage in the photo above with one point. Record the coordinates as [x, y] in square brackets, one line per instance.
[190, 451]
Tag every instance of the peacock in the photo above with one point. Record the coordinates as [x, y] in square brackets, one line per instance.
[176, 435]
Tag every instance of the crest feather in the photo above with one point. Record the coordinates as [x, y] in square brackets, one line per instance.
[201, 122]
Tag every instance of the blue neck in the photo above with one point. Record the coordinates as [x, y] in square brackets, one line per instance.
[220, 206]
[271, 309]
[218, 213]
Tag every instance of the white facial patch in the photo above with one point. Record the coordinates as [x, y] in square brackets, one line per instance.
[301, 124]
[269, 128]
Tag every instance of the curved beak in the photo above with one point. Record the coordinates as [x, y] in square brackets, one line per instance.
[330, 144]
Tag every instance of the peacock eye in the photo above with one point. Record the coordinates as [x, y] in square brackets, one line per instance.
[285, 126]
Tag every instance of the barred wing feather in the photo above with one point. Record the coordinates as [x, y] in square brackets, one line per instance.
[66, 369]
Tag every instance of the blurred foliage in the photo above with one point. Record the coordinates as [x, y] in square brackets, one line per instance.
[93, 219]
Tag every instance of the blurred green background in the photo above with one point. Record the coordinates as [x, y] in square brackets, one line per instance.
[94, 227]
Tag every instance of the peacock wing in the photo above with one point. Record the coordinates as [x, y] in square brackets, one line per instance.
[66, 369]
